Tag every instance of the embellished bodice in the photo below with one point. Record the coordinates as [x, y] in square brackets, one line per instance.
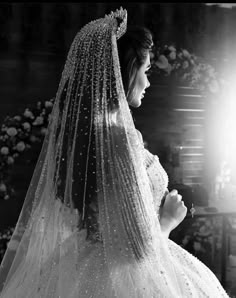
[157, 177]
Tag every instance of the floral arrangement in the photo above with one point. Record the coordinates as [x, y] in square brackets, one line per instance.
[17, 135]
[185, 68]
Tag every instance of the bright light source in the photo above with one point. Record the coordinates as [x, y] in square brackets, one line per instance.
[227, 136]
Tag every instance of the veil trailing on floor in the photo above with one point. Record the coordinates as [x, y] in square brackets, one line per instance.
[91, 153]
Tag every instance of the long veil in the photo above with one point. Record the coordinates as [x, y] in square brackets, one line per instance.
[91, 153]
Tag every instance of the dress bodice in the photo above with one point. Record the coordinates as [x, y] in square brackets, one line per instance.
[157, 177]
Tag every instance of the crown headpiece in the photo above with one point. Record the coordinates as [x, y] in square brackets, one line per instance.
[121, 17]
[115, 21]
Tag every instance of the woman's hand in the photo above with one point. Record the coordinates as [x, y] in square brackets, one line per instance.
[172, 212]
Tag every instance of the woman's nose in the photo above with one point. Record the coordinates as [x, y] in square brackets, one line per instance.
[148, 84]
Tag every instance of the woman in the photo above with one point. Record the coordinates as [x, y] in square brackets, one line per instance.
[90, 225]
[134, 51]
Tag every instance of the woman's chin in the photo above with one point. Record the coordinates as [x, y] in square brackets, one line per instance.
[136, 103]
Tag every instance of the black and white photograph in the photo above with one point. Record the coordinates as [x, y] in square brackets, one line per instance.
[117, 150]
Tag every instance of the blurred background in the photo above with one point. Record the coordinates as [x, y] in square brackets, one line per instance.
[187, 117]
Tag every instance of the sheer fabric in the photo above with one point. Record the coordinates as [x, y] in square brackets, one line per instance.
[89, 226]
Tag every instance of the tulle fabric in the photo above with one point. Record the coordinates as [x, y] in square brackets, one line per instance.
[92, 153]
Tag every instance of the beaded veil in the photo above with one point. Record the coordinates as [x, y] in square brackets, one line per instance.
[89, 226]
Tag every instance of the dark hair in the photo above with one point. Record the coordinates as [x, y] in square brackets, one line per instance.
[133, 48]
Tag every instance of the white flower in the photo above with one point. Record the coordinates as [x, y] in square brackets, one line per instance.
[172, 55]
[11, 131]
[28, 114]
[17, 118]
[20, 146]
[177, 65]
[3, 187]
[172, 49]
[180, 55]
[185, 76]
[38, 121]
[185, 64]
[213, 86]
[10, 160]
[26, 126]
[48, 104]
[4, 150]
[186, 54]
[162, 62]
[192, 62]
[168, 69]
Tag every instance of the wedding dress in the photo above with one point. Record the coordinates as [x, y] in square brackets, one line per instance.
[89, 226]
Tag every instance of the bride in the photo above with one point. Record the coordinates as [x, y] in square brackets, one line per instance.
[97, 214]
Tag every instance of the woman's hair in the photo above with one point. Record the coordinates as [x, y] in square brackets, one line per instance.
[133, 48]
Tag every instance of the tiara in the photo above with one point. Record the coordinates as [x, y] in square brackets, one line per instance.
[121, 17]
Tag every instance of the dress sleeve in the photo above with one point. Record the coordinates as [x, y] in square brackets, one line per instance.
[156, 173]
[140, 137]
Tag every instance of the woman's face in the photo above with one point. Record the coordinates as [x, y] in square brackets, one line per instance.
[141, 82]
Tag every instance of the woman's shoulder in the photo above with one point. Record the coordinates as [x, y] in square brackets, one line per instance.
[150, 157]
[139, 135]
